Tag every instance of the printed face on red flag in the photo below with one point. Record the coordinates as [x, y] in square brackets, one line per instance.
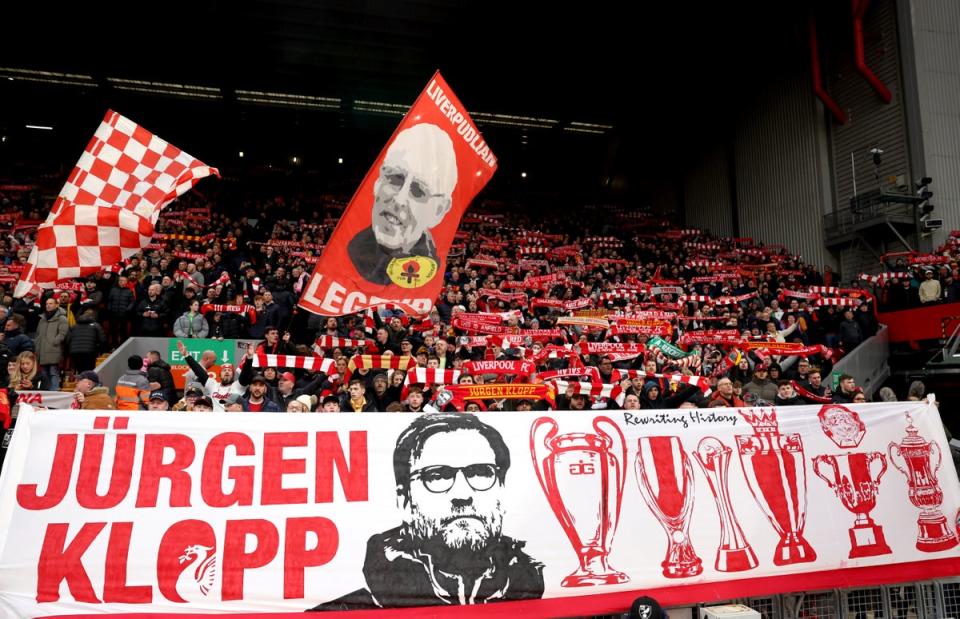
[392, 241]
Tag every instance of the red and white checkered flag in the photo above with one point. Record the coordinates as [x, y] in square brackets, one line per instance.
[108, 207]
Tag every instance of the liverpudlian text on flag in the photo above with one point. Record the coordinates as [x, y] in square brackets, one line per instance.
[391, 243]
[107, 210]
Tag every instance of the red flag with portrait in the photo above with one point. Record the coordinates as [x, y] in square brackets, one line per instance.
[391, 243]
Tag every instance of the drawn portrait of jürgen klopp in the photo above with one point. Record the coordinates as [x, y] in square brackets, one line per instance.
[450, 471]
[412, 194]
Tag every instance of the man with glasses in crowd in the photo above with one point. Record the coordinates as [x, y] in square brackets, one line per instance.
[450, 470]
[412, 194]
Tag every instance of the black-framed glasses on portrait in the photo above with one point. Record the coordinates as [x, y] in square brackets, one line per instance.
[440, 478]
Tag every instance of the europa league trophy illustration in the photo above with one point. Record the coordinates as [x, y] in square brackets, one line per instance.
[773, 465]
[924, 489]
[582, 476]
[665, 479]
[855, 479]
[734, 553]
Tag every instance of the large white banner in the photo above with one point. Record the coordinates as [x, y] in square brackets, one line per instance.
[228, 512]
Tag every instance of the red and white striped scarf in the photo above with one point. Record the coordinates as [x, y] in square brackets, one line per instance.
[734, 300]
[700, 382]
[595, 390]
[329, 342]
[316, 364]
[841, 301]
[824, 289]
[431, 376]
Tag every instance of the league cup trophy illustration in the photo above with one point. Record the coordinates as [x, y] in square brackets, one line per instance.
[734, 553]
[855, 479]
[665, 479]
[773, 465]
[924, 489]
[582, 476]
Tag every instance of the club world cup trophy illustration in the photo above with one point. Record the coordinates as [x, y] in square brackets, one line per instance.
[665, 479]
[855, 479]
[924, 490]
[582, 476]
[774, 467]
[734, 553]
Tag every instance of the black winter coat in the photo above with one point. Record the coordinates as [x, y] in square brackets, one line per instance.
[121, 302]
[86, 337]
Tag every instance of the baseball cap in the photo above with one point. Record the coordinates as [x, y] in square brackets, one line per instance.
[259, 378]
[645, 607]
[157, 395]
[204, 401]
[330, 398]
[193, 389]
[89, 375]
[233, 398]
[288, 376]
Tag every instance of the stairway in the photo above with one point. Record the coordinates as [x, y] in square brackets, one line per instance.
[68, 379]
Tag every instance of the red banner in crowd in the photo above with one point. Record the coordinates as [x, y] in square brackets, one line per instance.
[603, 348]
[513, 368]
[392, 241]
[480, 326]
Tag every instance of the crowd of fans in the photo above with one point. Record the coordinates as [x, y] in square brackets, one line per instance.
[700, 306]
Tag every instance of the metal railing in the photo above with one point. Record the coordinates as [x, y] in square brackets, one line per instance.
[868, 362]
[932, 599]
[849, 220]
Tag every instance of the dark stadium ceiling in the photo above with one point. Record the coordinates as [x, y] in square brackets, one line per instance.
[599, 89]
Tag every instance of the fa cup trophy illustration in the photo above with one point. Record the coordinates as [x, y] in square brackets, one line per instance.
[855, 479]
[774, 467]
[924, 489]
[582, 476]
[734, 553]
[665, 479]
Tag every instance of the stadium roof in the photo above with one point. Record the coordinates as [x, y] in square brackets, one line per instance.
[604, 90]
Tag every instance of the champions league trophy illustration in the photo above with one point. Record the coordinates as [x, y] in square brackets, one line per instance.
[582, 476]
[734, 553]
[924, 489]
[773, 465]
[665, 479]
[855, 479]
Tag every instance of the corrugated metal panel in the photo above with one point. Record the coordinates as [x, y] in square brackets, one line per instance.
[936, 43]
[871, 122]
[779, 164]
[706, 194]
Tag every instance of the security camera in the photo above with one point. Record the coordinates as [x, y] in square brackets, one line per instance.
[877, 153]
